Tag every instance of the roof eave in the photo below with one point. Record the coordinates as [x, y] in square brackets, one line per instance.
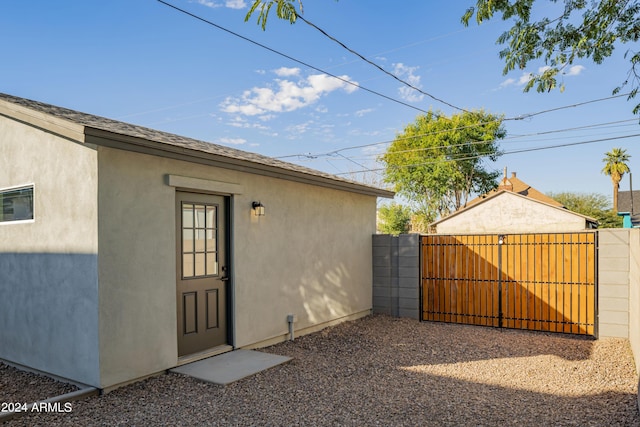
[587, 218]
[144, 146]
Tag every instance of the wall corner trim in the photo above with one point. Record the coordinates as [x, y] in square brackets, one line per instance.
[189, 183]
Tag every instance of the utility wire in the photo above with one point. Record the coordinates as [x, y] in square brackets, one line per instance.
[330, 153]
[378, 66]
[336, 152]
[579, 104]
[364, 157]
[524, 150]
[294, 59]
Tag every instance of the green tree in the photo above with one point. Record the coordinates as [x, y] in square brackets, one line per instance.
[438, 161]
[615, 167]
[579, 29]
[594, 205]
[394, 219]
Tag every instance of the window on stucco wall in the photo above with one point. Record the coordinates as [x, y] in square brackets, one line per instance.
[16, 204]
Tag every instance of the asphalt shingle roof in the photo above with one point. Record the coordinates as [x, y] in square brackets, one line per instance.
[624, 201]
[521, 188]
[159, 137]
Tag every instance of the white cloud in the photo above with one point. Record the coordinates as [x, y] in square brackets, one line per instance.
[361, 113]
[507, 83]
[235, 4]
[374, 149]
[296, 130]
[524, 79]
[574, 70]
[521, 81]
[240, 122]
[287, 72]
[208, 3]
[300, 127]
[231, 4]
[287, 96]
[232, 141]
[407, 74]
[267, 117]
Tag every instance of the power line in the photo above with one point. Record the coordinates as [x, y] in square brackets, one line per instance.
[449, 146]
[199, 18]
[337, 152]
[579, 104]
[330, 153]
[524, 150]
[378, 66]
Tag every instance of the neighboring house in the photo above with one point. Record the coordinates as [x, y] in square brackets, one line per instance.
[628, 208]
[513, 207]
[126, 251]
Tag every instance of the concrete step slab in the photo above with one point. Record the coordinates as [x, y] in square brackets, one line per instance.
[230, 367]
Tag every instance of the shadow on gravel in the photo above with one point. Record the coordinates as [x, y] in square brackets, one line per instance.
[394, 372]
[439, 342]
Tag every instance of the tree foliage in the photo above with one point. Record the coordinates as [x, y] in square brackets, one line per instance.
[394, 219]
[579, 29]
[594, 205]
[437, 161]
[615, 167]
[285, 9]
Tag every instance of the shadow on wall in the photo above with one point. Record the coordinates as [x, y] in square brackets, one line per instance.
[542, 282]
[49, 313]
[328, 294]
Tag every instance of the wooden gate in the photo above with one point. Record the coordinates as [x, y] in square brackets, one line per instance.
[542, 282]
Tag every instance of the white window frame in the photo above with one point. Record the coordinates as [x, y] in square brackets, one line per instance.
[20, 187]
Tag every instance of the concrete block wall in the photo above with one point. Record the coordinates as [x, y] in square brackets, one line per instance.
[613, 282]
[396, 282]
[396, 275]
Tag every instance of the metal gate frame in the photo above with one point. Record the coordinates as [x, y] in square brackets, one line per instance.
[534, 281]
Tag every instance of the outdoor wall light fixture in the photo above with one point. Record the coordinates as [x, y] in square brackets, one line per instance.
[258, 208]
[501, 239]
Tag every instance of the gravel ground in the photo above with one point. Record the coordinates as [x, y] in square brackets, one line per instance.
[385, 371]
[21, 386]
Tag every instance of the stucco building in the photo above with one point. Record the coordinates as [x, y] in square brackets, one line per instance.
[126, 251]
[513, 207]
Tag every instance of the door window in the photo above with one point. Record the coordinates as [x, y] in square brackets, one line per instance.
[199, 240]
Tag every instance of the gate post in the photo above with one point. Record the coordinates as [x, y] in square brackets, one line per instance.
[501, 241]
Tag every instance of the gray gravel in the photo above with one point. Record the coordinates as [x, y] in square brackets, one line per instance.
[385, 371]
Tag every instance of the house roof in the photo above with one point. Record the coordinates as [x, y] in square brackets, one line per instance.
[516, 185]
[625, 199]
[498, 192]
[91, 129]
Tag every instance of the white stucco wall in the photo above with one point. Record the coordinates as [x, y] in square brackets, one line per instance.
[310, 255]
[613, 282]
[48, 266]
[634, 295]
[511, 213]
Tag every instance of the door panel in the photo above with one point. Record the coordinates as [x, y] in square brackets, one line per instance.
[201, 264]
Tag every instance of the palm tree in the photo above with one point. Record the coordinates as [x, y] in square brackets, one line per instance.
[616, 166]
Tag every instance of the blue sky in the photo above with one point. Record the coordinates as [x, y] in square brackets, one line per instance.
[143, 62]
